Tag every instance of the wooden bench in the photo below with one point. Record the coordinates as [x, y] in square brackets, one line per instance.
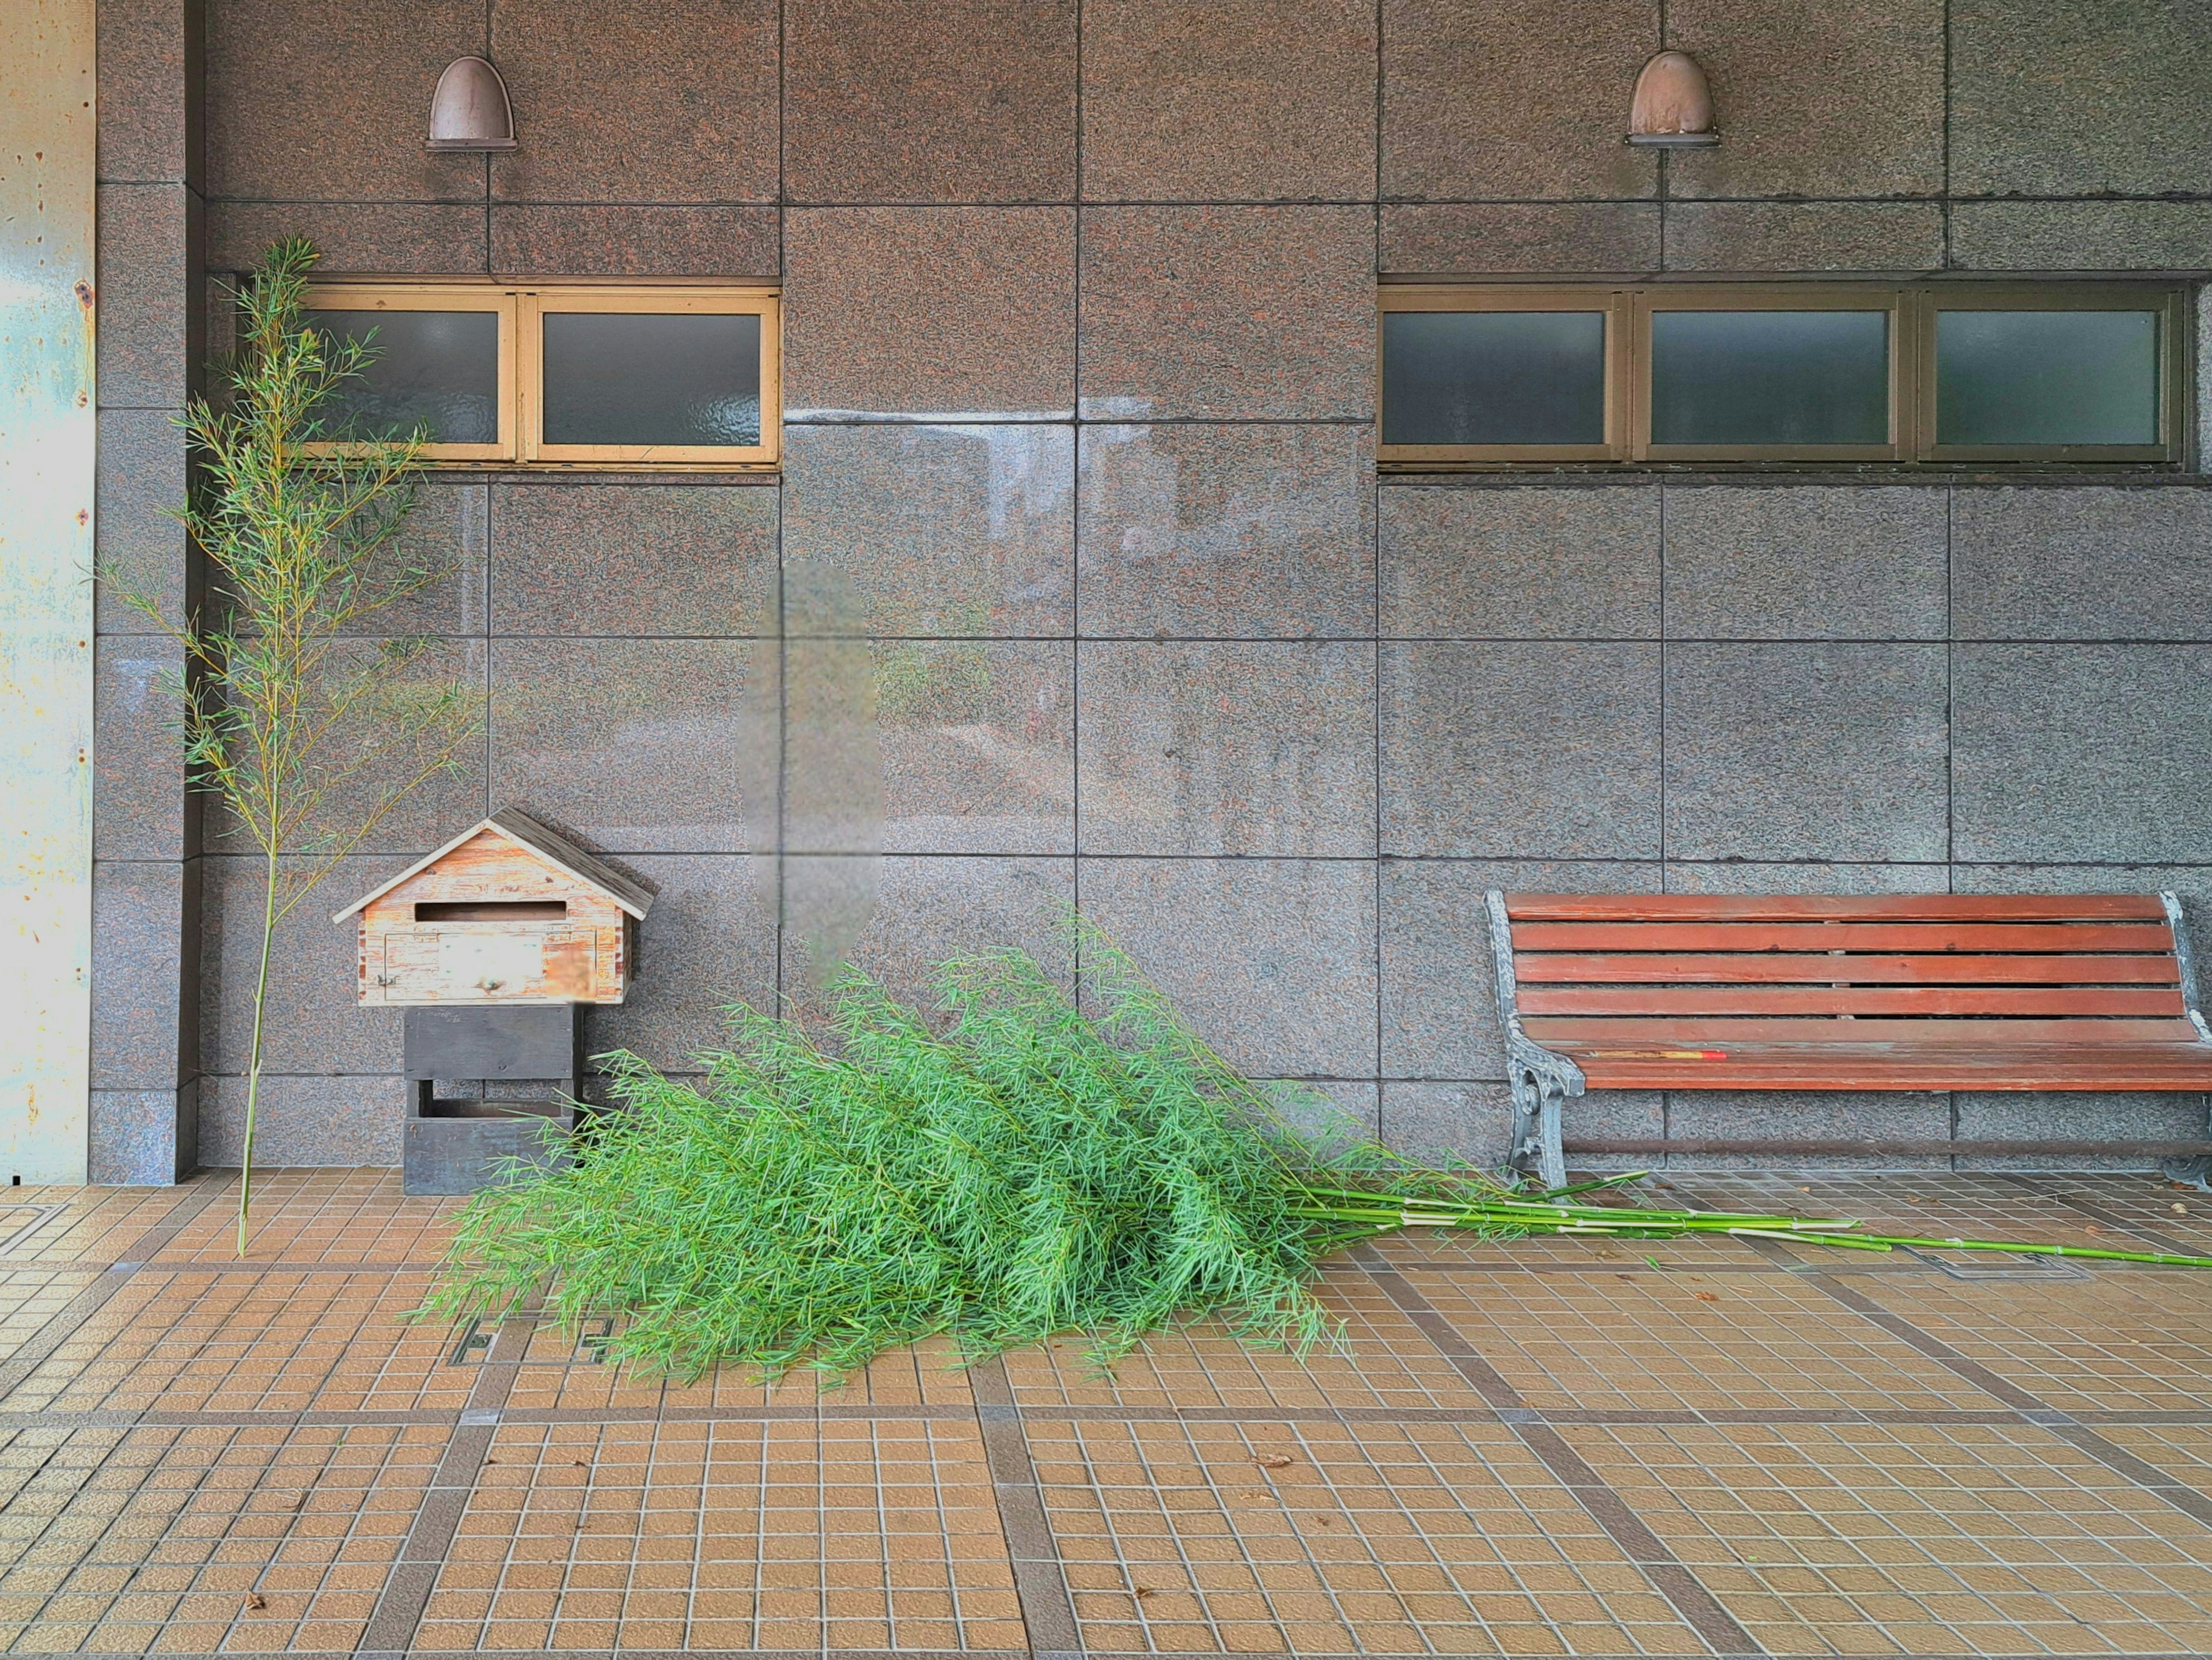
[1943, 992]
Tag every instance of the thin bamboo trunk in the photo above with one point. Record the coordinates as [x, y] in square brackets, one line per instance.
[253, 1058]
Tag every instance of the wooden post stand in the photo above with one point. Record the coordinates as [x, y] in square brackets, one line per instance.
[456, 1145]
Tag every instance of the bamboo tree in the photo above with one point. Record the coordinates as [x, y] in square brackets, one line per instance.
[308, 733]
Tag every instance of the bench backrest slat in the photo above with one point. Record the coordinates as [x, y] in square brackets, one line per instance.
[1719, 1028]
[1841, 935]
[1857, 1000]
[1953, 968]
[1860, 969]
[1869, 907]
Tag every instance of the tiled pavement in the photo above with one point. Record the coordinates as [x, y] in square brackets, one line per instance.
[1567, 1448]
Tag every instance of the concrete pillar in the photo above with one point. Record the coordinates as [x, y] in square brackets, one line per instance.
[46, 171]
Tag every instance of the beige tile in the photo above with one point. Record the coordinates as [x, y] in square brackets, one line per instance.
[784, 1533]
[2114, 1342]
[158, 1537]
[255, 1342]
[1687, 1340]
[1407, 1537]
[1923, 1538]
[1382, 1361]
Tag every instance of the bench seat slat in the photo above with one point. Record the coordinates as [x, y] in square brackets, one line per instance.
[1820, 968]
[1857, 1000]
[1885, 937]
[1912, 1066]
[1781, 907]
[1554, 1031]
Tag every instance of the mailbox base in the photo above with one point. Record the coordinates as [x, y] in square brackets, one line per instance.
[454, 1145]
[467, 1155]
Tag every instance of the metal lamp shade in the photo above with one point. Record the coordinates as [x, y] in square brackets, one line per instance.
[469, 111]
[1673, 107]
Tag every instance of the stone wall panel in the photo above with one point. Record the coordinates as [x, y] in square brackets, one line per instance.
[1146, 427]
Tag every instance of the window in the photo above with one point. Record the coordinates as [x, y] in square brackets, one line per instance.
[1782, 371]
[2072, 372]
[1531, 382]
[564, 375]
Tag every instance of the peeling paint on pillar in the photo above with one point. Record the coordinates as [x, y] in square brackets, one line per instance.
[46, 456]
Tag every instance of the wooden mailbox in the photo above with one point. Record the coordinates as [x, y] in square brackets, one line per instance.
[508, 912]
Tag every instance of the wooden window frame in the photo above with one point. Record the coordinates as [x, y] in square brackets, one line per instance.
[373, 297]
[1610, 303]
[1745, 297]
[521, 308]
[2173, 313]
[1912, 308]
[634, 300]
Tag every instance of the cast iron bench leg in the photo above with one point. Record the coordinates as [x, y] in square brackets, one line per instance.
[1554, 1159]
[1536, 1104]
[1528, 1129]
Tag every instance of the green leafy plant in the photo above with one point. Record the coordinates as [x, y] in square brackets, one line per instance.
[309, 733]
[1024, 1171]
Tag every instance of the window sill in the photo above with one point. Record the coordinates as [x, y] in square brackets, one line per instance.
[2132, 474]
[604, 472]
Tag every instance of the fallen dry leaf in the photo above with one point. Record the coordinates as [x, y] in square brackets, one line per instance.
[1270, 1461]
[577, 1463]
[2180, 1209]
[1707, 1297]
[1144, 1590]
[491, 1460]
[254, 1599]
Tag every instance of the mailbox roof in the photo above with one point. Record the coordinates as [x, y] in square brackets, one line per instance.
[555, 848]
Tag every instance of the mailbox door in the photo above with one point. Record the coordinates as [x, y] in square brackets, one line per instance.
[493, 963]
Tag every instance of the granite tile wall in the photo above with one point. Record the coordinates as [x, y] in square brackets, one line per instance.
[148, 873]
[1080, 584]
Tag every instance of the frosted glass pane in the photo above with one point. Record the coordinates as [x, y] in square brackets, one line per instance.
[2046, 377]
[438, 369]
[632, 378]
[1493, 377]
[1770, 377]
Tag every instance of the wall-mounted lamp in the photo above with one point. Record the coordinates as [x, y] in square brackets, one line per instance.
[1673, 107]
[469, 111]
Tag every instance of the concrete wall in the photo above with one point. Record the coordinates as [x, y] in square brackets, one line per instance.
[1080, 388]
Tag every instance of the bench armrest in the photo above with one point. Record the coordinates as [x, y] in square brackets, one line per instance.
[2186, 962]
[1523, 1054]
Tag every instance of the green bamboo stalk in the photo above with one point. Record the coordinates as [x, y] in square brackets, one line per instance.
[2164, 1259]
[1389, 1212]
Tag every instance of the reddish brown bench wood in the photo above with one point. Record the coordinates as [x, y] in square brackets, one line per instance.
[1895, 992]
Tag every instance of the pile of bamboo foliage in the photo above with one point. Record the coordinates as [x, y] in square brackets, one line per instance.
[1019, 1170]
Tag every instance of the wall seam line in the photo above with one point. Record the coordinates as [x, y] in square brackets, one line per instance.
[1075, 539]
